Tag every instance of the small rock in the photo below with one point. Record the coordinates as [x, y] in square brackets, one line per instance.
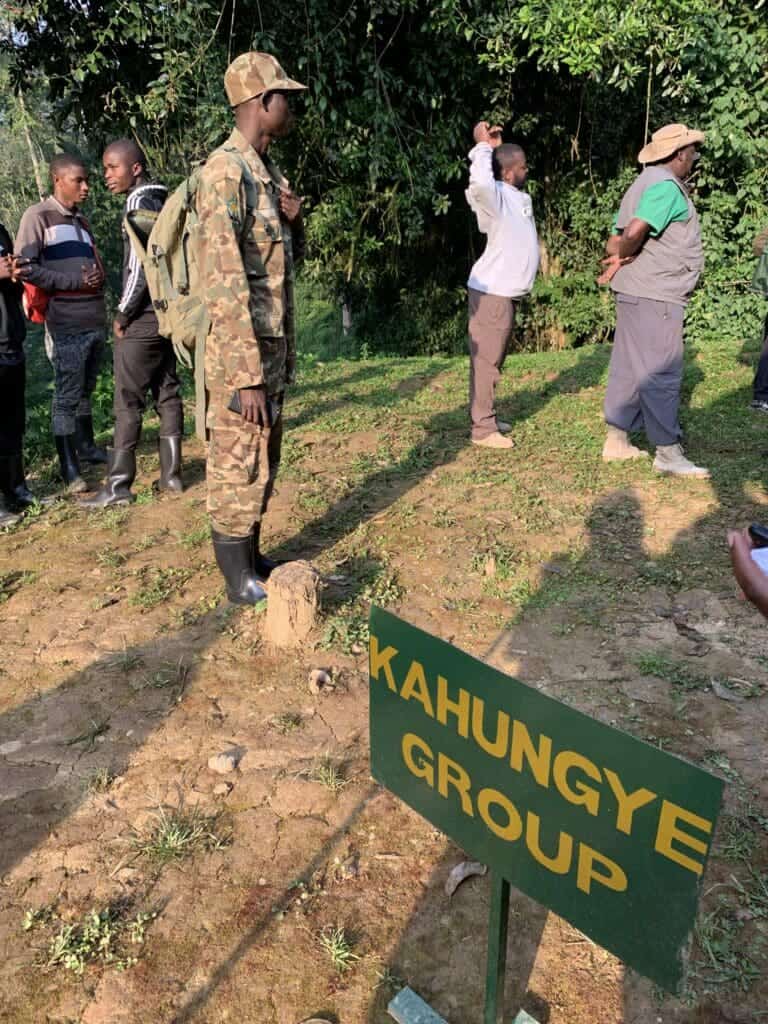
[463, 870]
[489, 569]
[222, 763]
[319, 680]
[356, 648]
[222, 789]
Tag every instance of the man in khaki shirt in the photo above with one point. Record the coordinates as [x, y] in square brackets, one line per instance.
[250, 231]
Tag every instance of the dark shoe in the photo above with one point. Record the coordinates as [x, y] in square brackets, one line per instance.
[7, 517]
[760, 404]
[170, 464]
[87, 448]
[68, 461]
[233, 557]
[262, 566]
[117, 487]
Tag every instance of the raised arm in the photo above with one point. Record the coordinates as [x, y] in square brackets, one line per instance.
[482, 184]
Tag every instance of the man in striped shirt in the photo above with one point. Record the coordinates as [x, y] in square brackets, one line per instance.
[55, 241]
[144, 361]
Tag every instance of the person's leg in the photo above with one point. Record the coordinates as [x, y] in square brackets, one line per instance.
[12, 379]
[261, 564]
[88, 450]
[662, 358]
[490, 324]
[238, 475]
[68, 387]
[133, 376]
[621, 405]
[130, 388]
[760, 383]
[166, 392]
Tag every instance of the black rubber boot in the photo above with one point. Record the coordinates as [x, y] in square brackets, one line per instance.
[20, 493]
[87, 448]
[68, 461]
[116, 489]
[233, 557]
[262, 566]
[7, 517]
[170, 464]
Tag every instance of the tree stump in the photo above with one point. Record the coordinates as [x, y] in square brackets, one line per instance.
[293, 604]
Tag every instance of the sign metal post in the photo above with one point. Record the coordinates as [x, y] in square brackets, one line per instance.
[497, 950]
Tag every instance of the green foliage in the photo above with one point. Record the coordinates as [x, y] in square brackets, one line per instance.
[107, 936]
[394, 87]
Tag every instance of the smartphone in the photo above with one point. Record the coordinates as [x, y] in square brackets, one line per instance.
[759, 535]
[274, 405]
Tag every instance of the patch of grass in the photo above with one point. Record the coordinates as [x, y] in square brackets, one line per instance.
[287, 722]
[100, 780]
[375, 583]
[90, 736]
[12, 581]
[652, 663]
[149, 540]
[110, 558]
[338, 944]
[158, 585]
[179, 833]
[725, 960]
[106, 936]
[125, 660]
[329, 773]
[169, 674]
[196, 535]
[144, 495]
[114, 518]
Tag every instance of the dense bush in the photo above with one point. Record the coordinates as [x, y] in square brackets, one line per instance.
[380, 150]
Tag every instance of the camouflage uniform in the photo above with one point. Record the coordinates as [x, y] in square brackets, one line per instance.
[246, 258]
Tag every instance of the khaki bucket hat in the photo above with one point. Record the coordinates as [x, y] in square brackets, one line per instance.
[668, 140]
[252, 74]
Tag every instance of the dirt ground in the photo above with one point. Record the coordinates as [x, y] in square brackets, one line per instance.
[123, 671]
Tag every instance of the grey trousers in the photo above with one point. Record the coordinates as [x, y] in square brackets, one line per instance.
[76, 359]
[646, 368]
[491, 318]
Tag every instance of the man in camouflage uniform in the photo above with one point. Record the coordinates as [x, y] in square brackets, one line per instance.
[250, 231]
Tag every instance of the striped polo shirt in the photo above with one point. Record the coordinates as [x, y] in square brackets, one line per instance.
[61, 244]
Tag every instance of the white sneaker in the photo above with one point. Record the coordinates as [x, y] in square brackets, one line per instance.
[670, 459]
[617, 446]
[495, 440]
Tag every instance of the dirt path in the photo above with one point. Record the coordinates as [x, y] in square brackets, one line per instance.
[123, 671]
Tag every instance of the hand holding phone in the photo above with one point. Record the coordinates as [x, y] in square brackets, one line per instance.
[759, 535]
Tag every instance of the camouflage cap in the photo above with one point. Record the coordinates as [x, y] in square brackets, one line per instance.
[252, 74]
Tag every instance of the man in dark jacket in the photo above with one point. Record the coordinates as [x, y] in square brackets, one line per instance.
[55, 238]
[144, 360]
[14, 493]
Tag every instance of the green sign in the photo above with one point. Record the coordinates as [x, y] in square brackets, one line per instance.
[609, 832]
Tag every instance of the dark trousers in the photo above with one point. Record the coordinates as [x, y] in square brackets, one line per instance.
[646, 369]
[141, 366]
[760, 385]
[12, 408]
[76, 358]
[491, 319]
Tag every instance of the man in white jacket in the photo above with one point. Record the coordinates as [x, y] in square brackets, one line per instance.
[503, 274]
